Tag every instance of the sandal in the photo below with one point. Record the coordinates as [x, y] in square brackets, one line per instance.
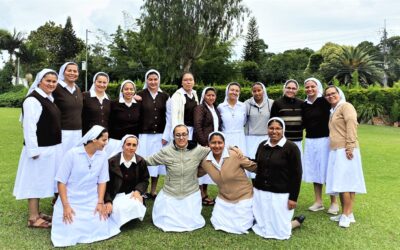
[206, 201]
[150, 196]
[39, 223]
[45, 217]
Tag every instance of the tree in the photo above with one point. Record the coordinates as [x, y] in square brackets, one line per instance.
[47, 38]
[393, 57]
[177, 32]
[70, 44]
[356, 59]
[254, 49]
[11, 42]
[314, 63]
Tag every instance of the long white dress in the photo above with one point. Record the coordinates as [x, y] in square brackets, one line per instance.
[233, 121]
[35, 177]
[81, 175]
[315, 159]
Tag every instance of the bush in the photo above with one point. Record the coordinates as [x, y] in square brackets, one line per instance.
[367, 111]
[13, 98]
[394, 114]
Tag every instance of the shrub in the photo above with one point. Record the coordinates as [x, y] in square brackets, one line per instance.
[394, 114]
[13, 98]
[367, 111]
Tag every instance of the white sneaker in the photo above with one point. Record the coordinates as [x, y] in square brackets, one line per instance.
[344, 221]
[333, 209]
[337, 218]
[316, 207]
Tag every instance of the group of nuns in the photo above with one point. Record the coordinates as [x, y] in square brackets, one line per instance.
[85, 148]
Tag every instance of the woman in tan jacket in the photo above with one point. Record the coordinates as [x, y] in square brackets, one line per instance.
[233, 208]
[344, 173]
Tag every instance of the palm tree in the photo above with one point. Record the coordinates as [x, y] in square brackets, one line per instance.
[355, 61]
[11, 42]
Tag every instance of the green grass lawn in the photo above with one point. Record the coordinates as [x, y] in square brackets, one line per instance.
[377, 215]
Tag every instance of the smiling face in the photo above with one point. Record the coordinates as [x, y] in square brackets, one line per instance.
[311, 89]
[291, 90]
[101, 142]
[332, 96]
[187, 82]
[128, 91]
[210, 97]
[181, 135]
[275, 132]
[216, 145]
[152, 82]
[233, 92]
[129, 148]
[71, 73]
[257, 92]
[48, 83]
[101, 84]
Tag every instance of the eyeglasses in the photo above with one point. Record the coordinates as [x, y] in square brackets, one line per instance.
[181, 135]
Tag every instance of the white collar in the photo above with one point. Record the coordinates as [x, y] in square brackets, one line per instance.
[183, 92]
[210, 157]
[122, 100]
[125, 162]
[281, 142]
[66, 86]
[93, 94]
[44, 95]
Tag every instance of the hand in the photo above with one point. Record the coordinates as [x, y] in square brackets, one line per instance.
[136, 195]
[108, 207]
[68, 214]
[100, 208]
[164, 142]
[35, 157]
[349, 153]
[238, 151]
[291, 204]
[137, 97]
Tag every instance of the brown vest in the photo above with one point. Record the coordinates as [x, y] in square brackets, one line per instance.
[70, 106]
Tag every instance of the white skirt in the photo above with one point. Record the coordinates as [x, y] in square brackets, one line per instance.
[236, 139]
[35, 178]
[178, 215]
[150, 144]
[112, 147]
[85, 228]
[69, 139]
[234, 218]
[252, 143]
[126, 209]
[206, 179]
[315, 160]
[344, 175]
[300, 146]
[273, 218]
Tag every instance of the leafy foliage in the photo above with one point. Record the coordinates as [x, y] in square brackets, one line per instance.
[71, 45]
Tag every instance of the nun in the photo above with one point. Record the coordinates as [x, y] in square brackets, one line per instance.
[277, 184]
[68, 98]
[80, 215]
[153, 110]
[96, 104]
[315, 117]
[233, 116]
[288, 107]
[232, 212]
[125, 117]
[258, 110]
[41, 122]
[207, 119]
[344, 174]
[128, 183]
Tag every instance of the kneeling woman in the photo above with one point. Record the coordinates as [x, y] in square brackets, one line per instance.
[79, 213]
[177, 207]
[129, 179]
[277, 184]
[233, 208]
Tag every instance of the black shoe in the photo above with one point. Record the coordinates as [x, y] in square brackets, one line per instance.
[300, 218]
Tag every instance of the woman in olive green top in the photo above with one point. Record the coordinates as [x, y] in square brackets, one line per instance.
[177, 207]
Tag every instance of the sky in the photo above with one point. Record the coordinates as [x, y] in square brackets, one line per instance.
[283, 24]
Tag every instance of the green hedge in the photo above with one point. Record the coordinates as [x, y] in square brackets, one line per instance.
[357, 96]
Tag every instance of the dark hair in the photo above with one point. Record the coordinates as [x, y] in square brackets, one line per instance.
[211, 89]
[49, 73]
[101, 133]
[102, 74]
[152, 73]
[178, 126]
[275, 120]
[234, 84]
[216, 134]
[330, 87]
[71, 63]
[257, 83]
[183, 74]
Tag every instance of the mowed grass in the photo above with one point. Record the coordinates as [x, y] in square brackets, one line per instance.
[377, 212]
